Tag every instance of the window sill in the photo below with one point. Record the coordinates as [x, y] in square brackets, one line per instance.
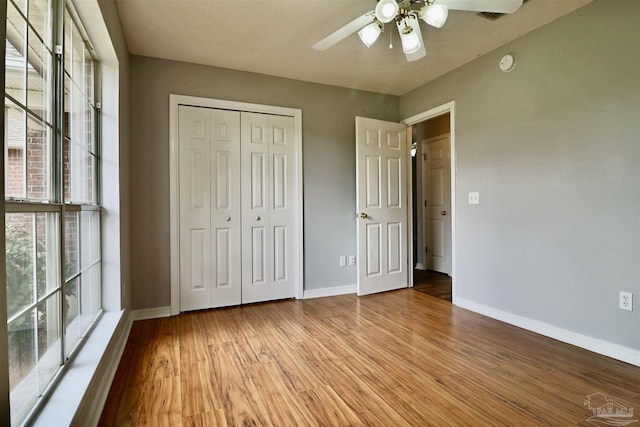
[91, 370]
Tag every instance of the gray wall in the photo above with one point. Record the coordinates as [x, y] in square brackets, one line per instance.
[553, 147]
[328, 119]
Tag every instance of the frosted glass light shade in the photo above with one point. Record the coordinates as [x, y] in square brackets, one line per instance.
[435, 15]
[370, 34]
[386, 10]
[410, 35]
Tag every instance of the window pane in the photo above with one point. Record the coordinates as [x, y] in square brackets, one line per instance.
[20, 258]
[40, 18]
[31, 255]
[77, 56]
[88, 75]
[38, 174]
[90, 182]
[90, 237]
[22, 359]
[72, 312]
[68, 41]
[95, 275]
[15, 126]
[22, 5]
[15, 62]
[71, 245]
[38, 80]
[49, 357]
[80, 165]
[67, 107]
[48, 250]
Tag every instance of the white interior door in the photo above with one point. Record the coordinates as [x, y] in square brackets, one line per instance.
[269, 200]
[381, 193]
[210, 256]
[437, 201]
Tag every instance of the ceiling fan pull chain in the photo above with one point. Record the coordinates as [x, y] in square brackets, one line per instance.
[390, 38]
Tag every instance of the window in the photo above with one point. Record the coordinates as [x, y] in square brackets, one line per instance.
[52, 162]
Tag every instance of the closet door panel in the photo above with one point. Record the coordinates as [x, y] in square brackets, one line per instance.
[195, 209]
[210, 251]
[256, 239]
[282, 152]
[226, 215]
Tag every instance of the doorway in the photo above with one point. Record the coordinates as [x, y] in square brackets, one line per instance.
[432, 202]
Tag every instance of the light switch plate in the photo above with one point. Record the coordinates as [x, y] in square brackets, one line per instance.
[474, 198]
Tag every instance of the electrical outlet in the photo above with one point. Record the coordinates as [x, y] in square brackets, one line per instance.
[626, 301]
[343, 261]
[352, 260]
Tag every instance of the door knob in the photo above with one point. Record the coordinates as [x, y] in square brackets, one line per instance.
[227, 218]
[364, 215]
[258, 218]
[443, 213]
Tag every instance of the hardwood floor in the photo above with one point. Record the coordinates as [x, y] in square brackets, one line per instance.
[398, 358]
[432, 283]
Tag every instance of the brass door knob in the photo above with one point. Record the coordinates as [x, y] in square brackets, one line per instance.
[364, 215]
[443, 213]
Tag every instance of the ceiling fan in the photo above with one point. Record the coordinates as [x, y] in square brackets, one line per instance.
[406, 14]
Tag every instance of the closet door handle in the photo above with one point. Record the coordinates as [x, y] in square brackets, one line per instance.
[227, 218]
[258, 218]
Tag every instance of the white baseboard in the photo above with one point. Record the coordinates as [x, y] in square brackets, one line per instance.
[625, 354]
[420, 266]
[329, 292]
[151, 313]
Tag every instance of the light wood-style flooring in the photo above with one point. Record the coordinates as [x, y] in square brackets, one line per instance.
[432, 283]
[392, 359]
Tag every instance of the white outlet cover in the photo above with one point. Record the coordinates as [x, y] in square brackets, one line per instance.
[626, 301]
[474, 198]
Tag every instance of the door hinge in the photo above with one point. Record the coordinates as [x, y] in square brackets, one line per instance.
[425, 203]
[426, 249]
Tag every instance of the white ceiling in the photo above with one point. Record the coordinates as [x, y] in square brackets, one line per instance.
[274, 37]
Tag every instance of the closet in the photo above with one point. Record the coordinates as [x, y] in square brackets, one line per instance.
[237, 207]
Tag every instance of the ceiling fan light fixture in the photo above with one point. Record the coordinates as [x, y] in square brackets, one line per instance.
[435, 15]
[410, 35]
[386, 10]
[370, 33]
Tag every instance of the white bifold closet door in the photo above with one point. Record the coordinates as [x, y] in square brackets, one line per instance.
[237, 210]
[210, 214]
[268, 213]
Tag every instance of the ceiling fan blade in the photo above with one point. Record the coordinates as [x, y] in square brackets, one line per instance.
[495, 6]
[345, 31]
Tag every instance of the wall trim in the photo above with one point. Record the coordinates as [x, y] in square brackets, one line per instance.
[151, 313]
[330, 291]
[605, 348]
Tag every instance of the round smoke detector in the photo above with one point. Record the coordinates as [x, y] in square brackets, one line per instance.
[507, 63]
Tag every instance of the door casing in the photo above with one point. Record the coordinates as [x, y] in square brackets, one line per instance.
[174, 219]
[448, 107]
